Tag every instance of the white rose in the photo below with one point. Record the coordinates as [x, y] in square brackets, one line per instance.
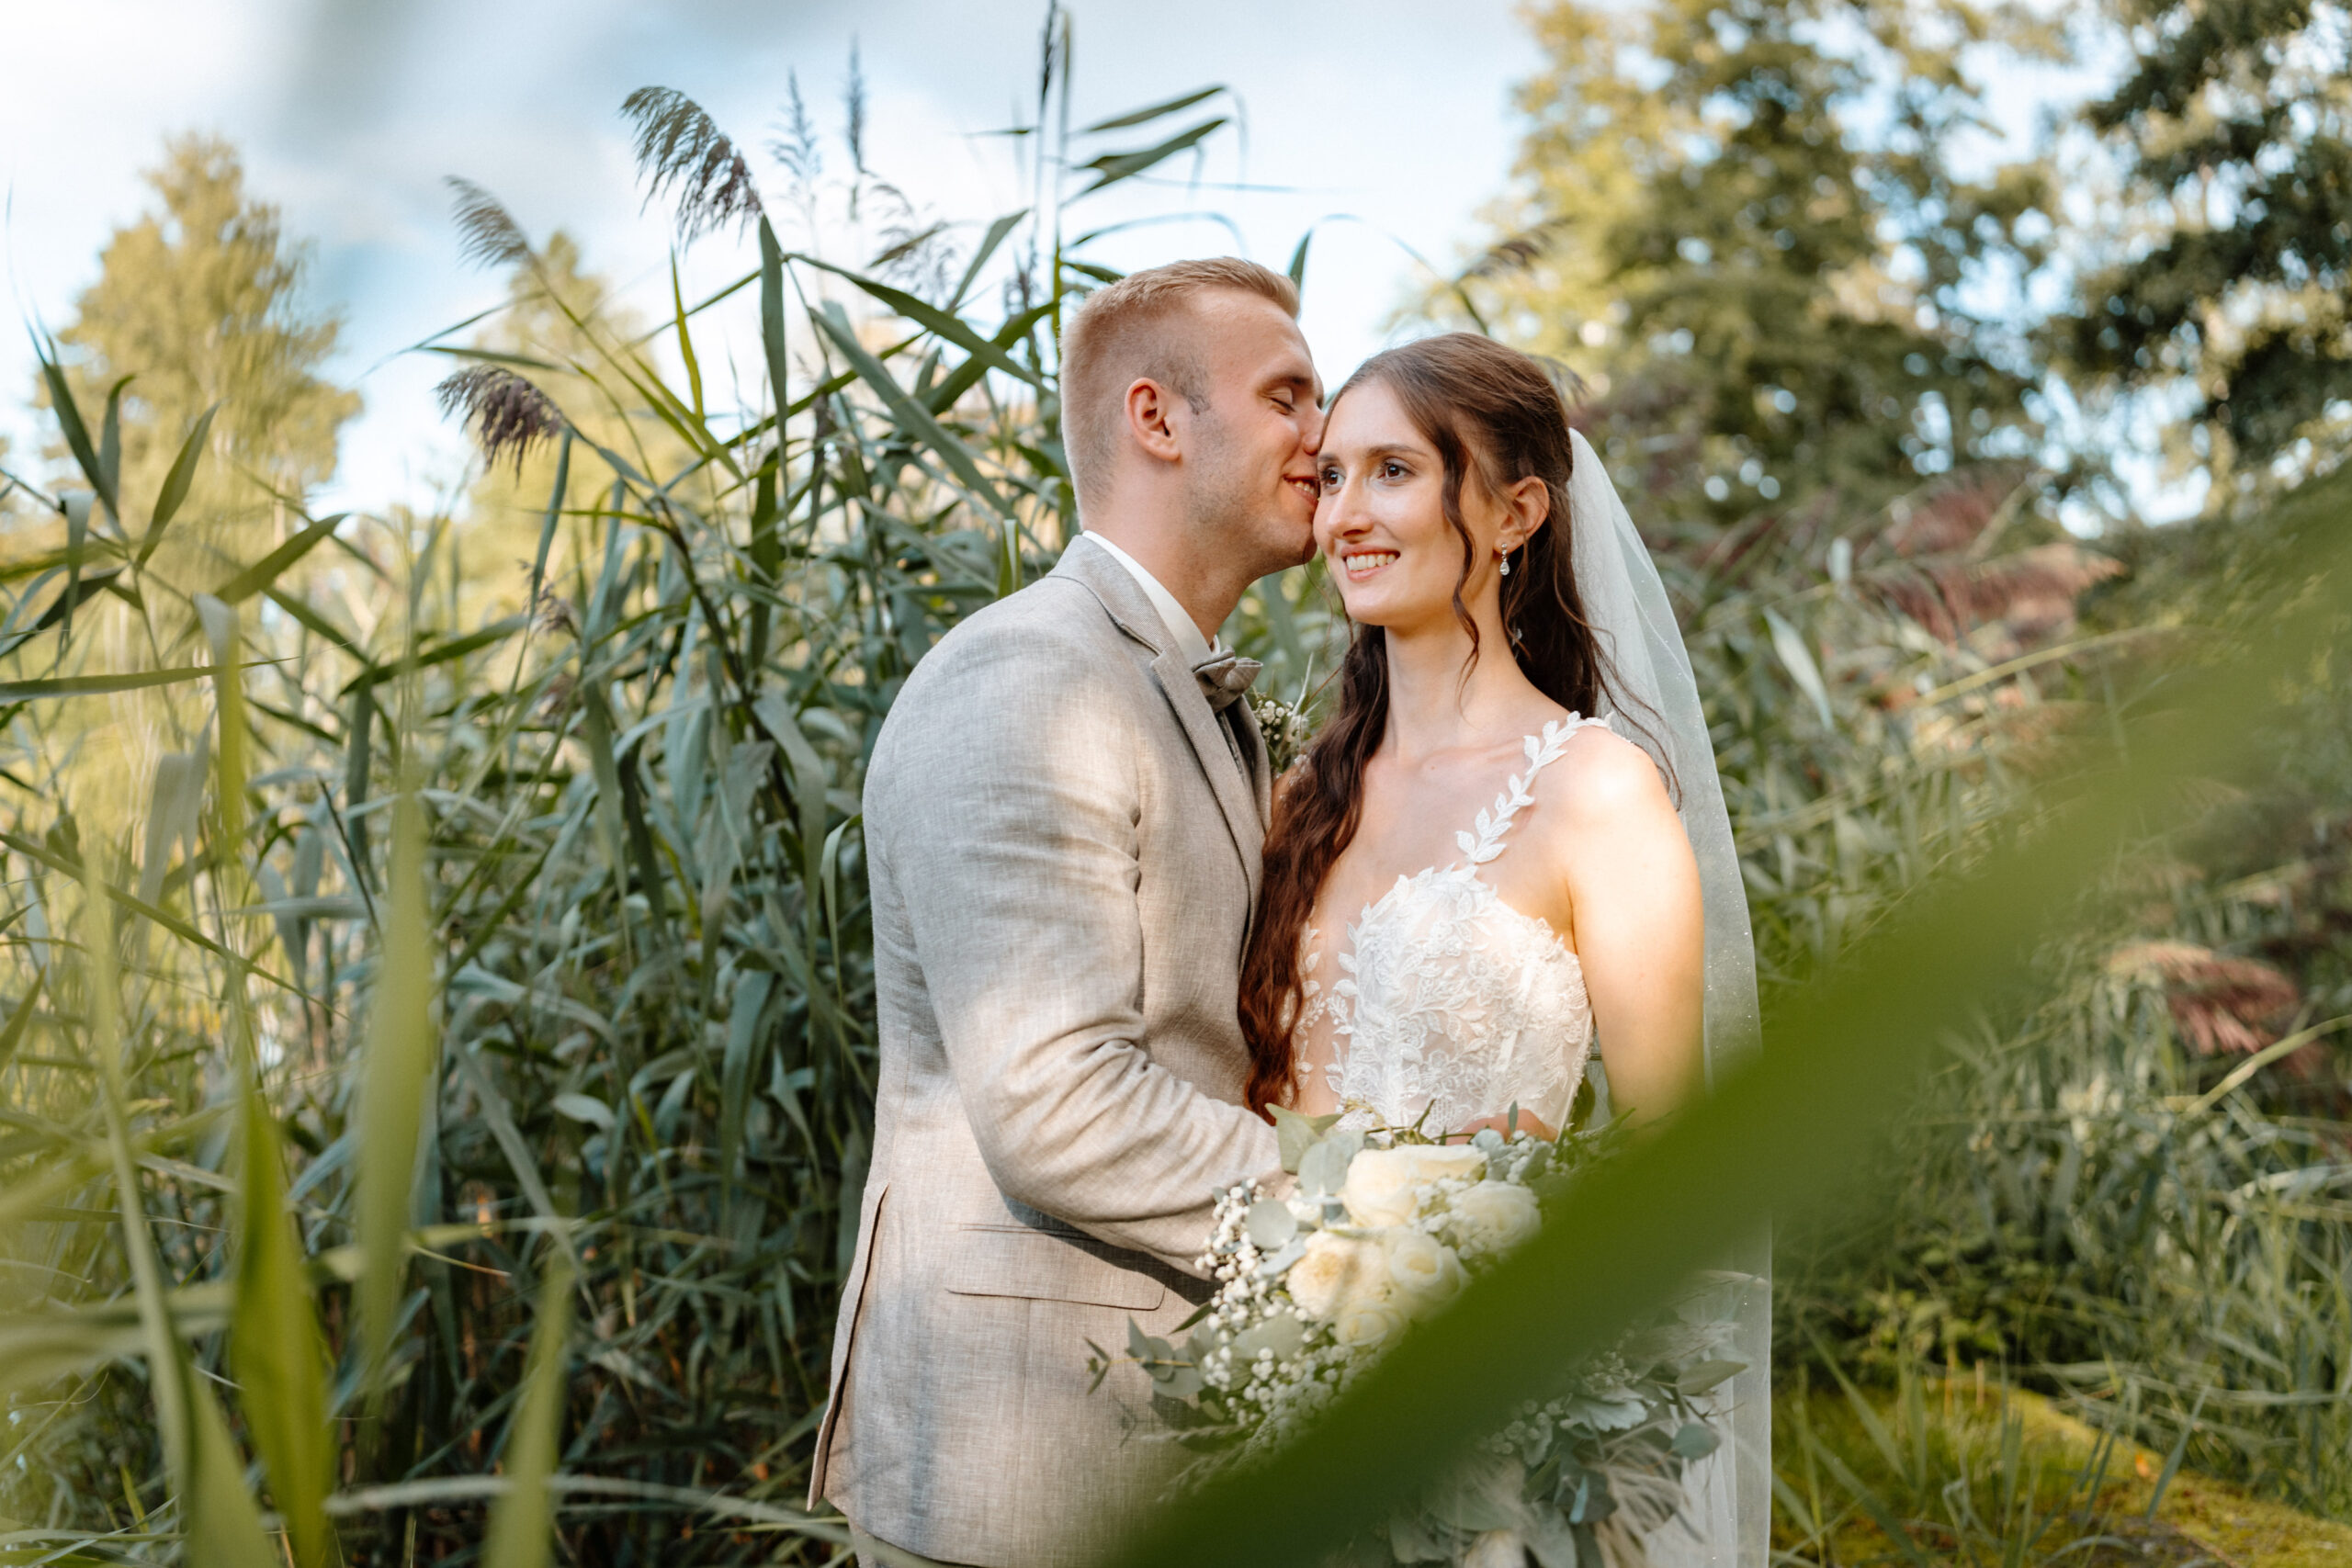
[1366, 1323]
[1494, 1216]
[1381, 1185]
[1423, 1268]
[1335, 1270]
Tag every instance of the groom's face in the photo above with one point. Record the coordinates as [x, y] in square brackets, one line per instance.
[1249, 452]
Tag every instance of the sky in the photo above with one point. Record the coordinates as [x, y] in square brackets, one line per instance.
[351, 114]
[1385, 125]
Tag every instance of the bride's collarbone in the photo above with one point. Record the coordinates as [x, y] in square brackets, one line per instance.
[1415, 817]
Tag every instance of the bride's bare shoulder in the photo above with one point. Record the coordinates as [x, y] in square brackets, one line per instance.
[1602, 778]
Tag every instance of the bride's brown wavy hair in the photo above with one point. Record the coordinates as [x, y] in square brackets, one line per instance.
[1495, 419]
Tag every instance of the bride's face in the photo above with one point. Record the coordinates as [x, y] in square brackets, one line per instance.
[1380, 522]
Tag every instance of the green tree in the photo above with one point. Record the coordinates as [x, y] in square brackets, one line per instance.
[2231, 246]
[1740, 221]
[198, 302]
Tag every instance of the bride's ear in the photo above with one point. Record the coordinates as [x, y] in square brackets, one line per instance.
[1527, 506]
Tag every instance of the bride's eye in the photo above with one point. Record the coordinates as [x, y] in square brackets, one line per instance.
[1331, 478]
[1393, 469]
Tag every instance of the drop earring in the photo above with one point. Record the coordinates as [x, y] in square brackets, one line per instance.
[1506, 567]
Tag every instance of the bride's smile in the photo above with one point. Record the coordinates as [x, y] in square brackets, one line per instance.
[1381, 521]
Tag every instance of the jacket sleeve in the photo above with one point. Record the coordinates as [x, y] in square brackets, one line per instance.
[1006, 813]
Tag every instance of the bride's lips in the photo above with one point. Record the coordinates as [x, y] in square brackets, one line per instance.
[1360, 564]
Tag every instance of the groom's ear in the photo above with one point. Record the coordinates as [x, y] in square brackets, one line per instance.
[1148, 409]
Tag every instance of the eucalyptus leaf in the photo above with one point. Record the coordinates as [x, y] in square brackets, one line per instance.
[1324, 1166]
[1294, 1134]
[1272, 1224]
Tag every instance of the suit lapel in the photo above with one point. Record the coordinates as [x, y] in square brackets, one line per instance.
[1235, 796]
[1261, 773]
[1241, 799]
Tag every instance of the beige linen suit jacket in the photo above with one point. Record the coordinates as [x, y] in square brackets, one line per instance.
[1064, 858]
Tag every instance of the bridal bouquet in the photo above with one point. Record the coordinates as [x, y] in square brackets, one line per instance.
[1385, 1228]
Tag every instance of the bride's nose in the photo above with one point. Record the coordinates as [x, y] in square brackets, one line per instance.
[1339, 515]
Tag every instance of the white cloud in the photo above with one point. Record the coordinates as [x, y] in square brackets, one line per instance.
[350, 116]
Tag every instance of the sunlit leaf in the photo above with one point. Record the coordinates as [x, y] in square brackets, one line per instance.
[276, 1348]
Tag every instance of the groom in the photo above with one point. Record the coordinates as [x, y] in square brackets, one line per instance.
[1063, 818]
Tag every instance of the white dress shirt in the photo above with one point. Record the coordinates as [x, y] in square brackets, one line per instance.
[1181, 625]
[1190, 643]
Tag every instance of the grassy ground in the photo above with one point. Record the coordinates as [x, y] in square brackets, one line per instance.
[1963, 1472]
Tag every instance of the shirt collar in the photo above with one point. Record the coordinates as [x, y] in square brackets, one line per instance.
[1190, 643]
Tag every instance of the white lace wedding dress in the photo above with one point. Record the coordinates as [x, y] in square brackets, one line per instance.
[1443, 1004]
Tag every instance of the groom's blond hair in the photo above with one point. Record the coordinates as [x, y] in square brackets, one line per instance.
[1134, 331]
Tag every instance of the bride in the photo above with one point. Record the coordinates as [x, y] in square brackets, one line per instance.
[1508, 837]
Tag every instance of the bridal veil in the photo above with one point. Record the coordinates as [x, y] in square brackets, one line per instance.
[1658, 697]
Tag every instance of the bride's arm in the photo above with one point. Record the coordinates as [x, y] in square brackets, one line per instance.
[1639, 922]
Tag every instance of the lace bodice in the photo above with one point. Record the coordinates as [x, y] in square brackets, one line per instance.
[1446, 999]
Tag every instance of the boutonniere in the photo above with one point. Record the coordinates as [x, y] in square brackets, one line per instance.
[1285, 728]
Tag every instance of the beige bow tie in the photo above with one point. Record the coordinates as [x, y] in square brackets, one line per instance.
[1224, 677]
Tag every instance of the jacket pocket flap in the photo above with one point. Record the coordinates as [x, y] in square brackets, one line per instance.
[988, 1260]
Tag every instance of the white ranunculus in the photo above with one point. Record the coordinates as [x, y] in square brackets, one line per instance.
[1367, 1322]
[1424, 1269]
[1381, 1185]
[1335, 1270]
[1495, 1216]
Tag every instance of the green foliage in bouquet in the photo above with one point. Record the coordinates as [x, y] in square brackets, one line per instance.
[1386, 1226]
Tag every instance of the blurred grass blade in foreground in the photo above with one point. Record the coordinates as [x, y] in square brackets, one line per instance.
[1780, 1134]
[520, 1525]
[391, 1109]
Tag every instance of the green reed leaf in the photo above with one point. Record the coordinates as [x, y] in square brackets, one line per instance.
[522, 1525]
[271, 567]
[222, 1521]
[97, 685]
[941, 323]
[70, 424]
[911, 415]
[276, 1348]
[554, 514]
[1156, 111]
[1789, 644]
[223, 1525]
[1113, 167]
[772, 309]
[177, 482]
[398, 1067]
[686, 340]
[999, 232]
[21, 1017]
[110, 444]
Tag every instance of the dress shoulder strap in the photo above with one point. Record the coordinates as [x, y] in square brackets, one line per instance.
[1486, 841]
